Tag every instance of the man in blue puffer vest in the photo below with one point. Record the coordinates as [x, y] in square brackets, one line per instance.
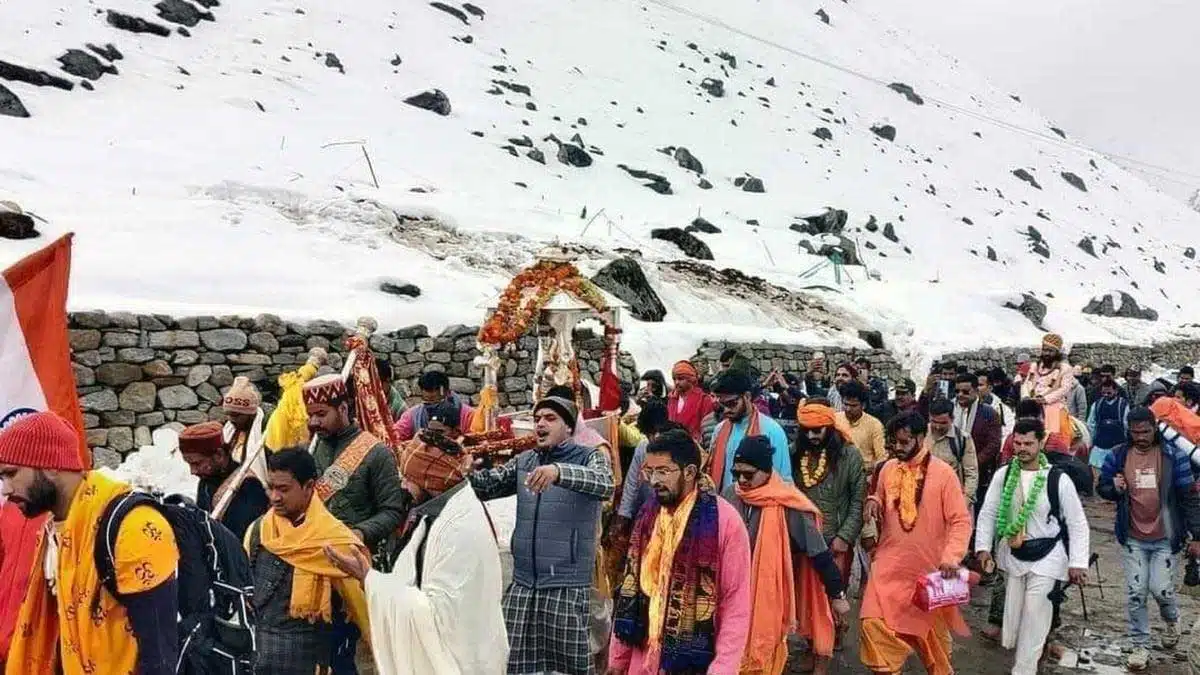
[1106, 424]
[560, 487]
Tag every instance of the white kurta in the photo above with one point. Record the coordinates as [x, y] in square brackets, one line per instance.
[1040, 524]
[452, 624]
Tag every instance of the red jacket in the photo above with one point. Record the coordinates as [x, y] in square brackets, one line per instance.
[18, 543]
[696, 404]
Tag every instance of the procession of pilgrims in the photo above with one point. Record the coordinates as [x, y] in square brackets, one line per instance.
[722, 522]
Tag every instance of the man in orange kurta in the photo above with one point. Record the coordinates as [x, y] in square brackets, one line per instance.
[923, 526]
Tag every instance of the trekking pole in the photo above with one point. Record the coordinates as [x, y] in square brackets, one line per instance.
[1095, 560]
[1083, 601]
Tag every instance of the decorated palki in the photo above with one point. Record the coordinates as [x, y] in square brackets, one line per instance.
[550, 298]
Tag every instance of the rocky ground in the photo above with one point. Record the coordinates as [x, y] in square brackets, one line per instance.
[1096, 645]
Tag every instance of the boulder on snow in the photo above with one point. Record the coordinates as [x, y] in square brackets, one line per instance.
[749, 183]
[474, 10]
[452, 11]
[908, 92]
[10, 105]
[332, 61]
[136, 24]
[625, 279]
[889, 233]
[822, 15]
[400, 288]
[823, 133]
[1127, 309]
[1074, 180]
[573, 155]
[38, 78]
[1088, 247]
[182, 12]
[14, 223]
[82, 64]
[686, 241]
[714, 87]
[885, 131]
[688, 161]
[837, 248]
[872, 337]
[702, 225]
[434, 100]
[1032, 308]
[654, 181]
[1027, 177]
[1189, 253]
[830, 222]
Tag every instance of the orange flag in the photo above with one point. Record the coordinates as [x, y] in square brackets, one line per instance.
[35, 352]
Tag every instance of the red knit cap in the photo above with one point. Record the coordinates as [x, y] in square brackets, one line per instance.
[41, 441]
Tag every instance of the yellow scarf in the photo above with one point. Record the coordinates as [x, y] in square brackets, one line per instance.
[658, 558]
[90, 643]
[314, 578]
[903, 483]
[288, 425]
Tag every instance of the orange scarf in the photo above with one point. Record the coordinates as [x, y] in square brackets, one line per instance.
[903, 484]
[716, 466]
[788, 594]
[314, 577]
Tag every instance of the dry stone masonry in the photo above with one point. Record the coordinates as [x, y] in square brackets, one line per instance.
[136, 373]
[1171, 354]
[795, 358]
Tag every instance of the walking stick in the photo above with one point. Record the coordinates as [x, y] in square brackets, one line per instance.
[1095, 560]
[243, 471]
[1083, 601]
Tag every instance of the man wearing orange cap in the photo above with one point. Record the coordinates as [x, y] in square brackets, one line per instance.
[1049, 382]
[438, 610]
[68, 622]
[688, 403]
[209, 458]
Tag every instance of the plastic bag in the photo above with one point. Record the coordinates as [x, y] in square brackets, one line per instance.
[933, 591]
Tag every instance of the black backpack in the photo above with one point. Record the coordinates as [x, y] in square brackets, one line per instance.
[216, 626]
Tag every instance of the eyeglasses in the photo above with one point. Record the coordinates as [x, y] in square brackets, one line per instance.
[658, 472]
[744, 475]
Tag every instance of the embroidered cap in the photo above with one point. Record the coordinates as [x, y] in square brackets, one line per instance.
[41, 441]
[205, 438]
[242, 397]
[1053, 341]
[327, 389]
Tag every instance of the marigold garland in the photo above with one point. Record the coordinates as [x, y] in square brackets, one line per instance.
[812, 478]
[529, 291]
[1009, 529]
[911, 484]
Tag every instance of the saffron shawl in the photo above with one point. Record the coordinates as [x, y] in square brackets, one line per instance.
[688, 635]
[716, 466]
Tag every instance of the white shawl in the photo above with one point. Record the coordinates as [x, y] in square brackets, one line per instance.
[452, 624]
[964, 418]
[253, 442]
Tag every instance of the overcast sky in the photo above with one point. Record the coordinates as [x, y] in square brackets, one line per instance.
[1117, 75]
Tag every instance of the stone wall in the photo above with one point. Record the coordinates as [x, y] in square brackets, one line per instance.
[794, 358]
[1171, 354]
[136, 373]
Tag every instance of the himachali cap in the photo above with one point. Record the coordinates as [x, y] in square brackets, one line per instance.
[327, 390]
[202, 439]
[41, 441]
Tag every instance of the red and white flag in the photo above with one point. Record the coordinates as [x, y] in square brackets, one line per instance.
[35, 352]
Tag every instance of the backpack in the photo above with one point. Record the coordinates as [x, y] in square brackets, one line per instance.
[1052, 481]
[216, 626]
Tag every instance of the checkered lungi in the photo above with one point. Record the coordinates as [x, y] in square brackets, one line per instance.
[292, 653]
[548, 630]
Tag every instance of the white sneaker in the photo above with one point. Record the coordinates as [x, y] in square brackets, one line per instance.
[1170, 636]
[1138, 659]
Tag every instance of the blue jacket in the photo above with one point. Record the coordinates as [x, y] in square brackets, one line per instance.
[1106, 422]
[1181, 506]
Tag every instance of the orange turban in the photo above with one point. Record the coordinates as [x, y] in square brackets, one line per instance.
[429, 468]
[685, 369]
[817, 416]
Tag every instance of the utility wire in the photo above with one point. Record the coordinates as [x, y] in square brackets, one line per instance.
[1039, 135]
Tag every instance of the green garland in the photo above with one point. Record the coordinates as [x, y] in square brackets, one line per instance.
[1004, 528]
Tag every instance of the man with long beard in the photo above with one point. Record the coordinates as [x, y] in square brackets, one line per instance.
[924, 525]
[684, 603]
[830, 472]
[1049, 382]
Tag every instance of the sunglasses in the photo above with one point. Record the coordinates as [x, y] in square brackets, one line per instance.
[744, 475]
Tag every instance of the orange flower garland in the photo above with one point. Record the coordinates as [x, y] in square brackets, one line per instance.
[529, 292]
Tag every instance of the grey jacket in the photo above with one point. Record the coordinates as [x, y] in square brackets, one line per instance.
[373, 501]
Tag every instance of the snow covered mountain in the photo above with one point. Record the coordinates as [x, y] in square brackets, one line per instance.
[244, 157]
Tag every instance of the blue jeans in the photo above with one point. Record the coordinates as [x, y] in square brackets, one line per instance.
[1149, 570]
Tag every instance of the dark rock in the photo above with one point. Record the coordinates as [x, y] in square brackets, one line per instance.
[537, 156]
[136, 24]
[1160, 266]
[514, 87]
[1031, 307]
[433, 100]
[728, 58]
[823, 15]
[409, 290]
[530, 105]
[182, 12]
[396, 60]
[908, 92]
[658, 183]
[872, 337]
[830, 222]
[823, 133]
[1058, 131]
[843, 252]
[624, 278]
[10, 105]
[749, 183]
[688, 161]
[885, 131]
[770, 82]
[183, 31]
[702, 225]
[704, 184]
[82, 64]
[473, 9]
[452, 11]
[209, 4]
[1128, 309]
[872, 225]
[889, 233]
[991, 254]
[332, 61]
[714, 87]
[38, 78]
[686, 241]
[88, 85]
[14, 225]
[1189, 253]
[573, 155]
[1027, 177]
[1074, 180]
[524, 142]
[1088, 247]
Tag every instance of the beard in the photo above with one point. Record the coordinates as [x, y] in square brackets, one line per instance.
[809, 446]
[668, 497]
[42, 497]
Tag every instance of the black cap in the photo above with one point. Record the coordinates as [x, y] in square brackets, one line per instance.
[733, 382]
[757, 452]
[561, 406]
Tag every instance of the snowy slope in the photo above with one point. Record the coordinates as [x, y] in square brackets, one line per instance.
[213, 174]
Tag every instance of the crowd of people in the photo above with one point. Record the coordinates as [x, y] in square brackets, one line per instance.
[726, 528]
